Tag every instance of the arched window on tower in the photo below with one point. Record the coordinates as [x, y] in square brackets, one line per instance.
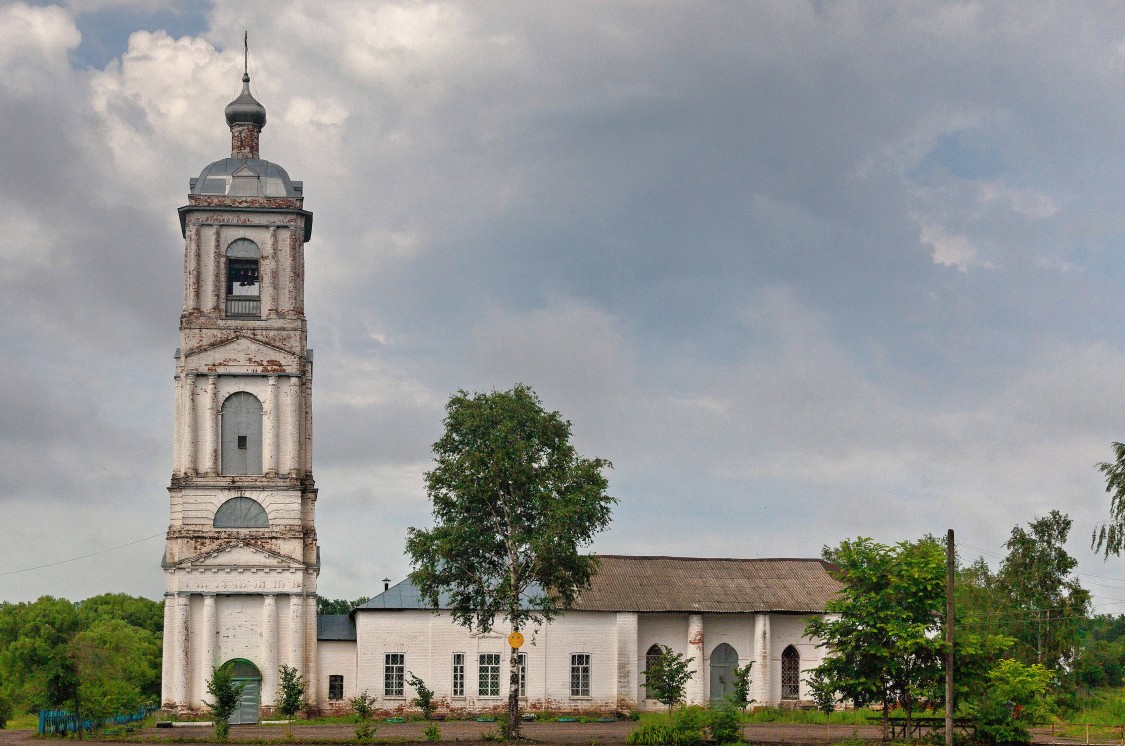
[790, 673]
[244, 299]
[242, 434]
[241, 512]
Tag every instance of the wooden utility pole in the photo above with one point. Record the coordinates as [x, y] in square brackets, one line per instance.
[949, 638]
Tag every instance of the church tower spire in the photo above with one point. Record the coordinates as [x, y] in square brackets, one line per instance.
[241, 558]
[245, 116]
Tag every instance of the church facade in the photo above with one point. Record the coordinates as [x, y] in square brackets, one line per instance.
[241, 557]
[722, 614]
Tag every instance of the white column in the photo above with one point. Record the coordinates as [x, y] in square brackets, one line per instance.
[267, 266]
[293, 277]
[180, 654]
[762, 658]
[269, 648]
[293, 429]
[297, 632]
[188, 425]
[694, 691]
[213, 426]
[193, 269]
[167, 668]
[270, 415]
[627, 678]
[216, 271]
[209, 634]
[178, 428]
[310, 648]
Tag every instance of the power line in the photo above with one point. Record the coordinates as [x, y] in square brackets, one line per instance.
[84, 556]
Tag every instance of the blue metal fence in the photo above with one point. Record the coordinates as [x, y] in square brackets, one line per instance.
[61, 722]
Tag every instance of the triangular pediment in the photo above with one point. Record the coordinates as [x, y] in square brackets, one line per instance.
[241, 353]
[245, 171]
[240, 555]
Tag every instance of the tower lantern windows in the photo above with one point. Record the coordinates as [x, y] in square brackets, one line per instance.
[244, 298]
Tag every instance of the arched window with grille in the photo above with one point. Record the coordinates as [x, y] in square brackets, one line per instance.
[790, 673]
[242, 434]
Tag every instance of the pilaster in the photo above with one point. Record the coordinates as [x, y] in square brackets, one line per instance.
[762, 658]
[694, 691]
[269, 648]
[182, 675]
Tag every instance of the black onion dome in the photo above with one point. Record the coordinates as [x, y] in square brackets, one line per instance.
[245, 109]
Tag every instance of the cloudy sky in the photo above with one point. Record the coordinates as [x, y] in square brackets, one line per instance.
[802, 271]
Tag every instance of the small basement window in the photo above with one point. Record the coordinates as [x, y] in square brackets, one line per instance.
[335, 687]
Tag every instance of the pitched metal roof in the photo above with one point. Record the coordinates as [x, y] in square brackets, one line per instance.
[681, 584]
[335, 627]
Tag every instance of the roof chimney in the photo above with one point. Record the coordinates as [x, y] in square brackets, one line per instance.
[386, 584]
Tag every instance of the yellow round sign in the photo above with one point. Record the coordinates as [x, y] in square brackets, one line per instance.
[516, 639]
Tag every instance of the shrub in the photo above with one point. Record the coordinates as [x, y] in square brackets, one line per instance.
[433, 732]
[363, 704]
[725, 726]
[425, 699]
[684, 727]
[291, 692]
[226, 694]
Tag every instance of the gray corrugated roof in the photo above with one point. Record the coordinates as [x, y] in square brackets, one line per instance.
[684, 584]
[335, 627]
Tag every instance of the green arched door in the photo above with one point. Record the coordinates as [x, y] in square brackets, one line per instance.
[724, 662]
[246, 674]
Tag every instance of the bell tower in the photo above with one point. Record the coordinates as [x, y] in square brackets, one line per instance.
[241, 558]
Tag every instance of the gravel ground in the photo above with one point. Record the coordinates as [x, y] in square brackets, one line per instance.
[469, 733]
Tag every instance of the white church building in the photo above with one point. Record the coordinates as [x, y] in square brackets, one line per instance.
[241, 558]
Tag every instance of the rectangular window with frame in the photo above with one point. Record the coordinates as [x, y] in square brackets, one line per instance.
[580, 675]
[394, 674]
[488, 678]
[335, 687]
[523, 674]
[458, 674]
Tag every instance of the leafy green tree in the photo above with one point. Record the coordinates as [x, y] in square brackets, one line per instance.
[667, 676]
[290, 691]
[91, 656]
[1049, 603]
[225, 695]
[325, 606]
[117, 664]
[882, 632]
[514, 505]
[1109, 537]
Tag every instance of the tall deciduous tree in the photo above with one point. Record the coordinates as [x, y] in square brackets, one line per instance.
[882, 632]
[1050, 604]
[514, 506]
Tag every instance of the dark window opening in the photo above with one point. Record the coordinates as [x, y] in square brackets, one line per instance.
[335, 687]
[790, 673]
[242, 442]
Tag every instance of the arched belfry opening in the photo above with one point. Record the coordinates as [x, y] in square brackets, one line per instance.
[244, 294]
[242, 434]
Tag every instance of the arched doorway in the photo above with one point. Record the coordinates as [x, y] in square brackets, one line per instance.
[724, 663]
[246, 674]
[790, 673]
